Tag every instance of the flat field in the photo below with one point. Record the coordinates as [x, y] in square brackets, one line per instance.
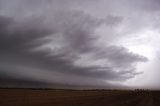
[46, 97]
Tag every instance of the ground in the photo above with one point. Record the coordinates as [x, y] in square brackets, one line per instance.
[48, 97]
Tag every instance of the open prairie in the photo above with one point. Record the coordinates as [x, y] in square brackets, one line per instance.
[46, 97]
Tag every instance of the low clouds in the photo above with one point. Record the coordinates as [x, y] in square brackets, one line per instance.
[60, 47]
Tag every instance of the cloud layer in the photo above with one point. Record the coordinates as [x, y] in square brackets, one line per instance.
[42, 43]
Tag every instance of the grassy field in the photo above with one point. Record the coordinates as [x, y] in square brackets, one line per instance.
[40, 97]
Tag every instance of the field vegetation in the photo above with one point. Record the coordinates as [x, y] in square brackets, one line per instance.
[60, 97]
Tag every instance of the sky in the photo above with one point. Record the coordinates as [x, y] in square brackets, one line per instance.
[80, 43]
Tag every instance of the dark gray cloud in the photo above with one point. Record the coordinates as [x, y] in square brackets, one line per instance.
[59, 46]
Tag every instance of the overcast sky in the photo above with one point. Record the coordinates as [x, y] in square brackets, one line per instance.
[79, 43]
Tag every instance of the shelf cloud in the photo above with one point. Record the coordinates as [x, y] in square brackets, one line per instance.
[48, 43]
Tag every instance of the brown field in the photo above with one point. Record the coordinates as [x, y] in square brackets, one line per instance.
[40, 97]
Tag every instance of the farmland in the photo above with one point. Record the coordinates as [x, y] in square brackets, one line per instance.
[47, 97]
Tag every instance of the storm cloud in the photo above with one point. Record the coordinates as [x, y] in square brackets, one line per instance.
[48, 45]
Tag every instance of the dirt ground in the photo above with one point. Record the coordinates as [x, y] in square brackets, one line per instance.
[39, 97]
